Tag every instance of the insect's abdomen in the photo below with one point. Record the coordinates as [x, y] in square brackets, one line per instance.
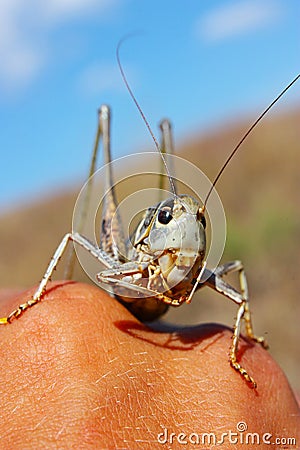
[145, 309]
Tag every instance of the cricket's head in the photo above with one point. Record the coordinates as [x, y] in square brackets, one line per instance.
[174, 227]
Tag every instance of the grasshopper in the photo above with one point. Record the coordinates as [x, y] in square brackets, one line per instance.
[163, 263]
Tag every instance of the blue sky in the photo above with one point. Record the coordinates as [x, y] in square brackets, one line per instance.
[197, 62]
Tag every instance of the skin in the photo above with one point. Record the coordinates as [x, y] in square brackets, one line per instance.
[78, 371]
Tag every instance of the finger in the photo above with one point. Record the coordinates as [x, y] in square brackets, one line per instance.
[78, 369]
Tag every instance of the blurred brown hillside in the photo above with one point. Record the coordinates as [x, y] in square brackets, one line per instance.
[260, 193]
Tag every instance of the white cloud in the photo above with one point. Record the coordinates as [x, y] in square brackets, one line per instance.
[236, 18]
[20, 66]
[99, 78]
[25, 27]
[18, 59]
[59, 10]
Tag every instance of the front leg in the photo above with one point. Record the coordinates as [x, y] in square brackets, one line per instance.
[131, 286]
[237, 266]
[78, 239]
[215, 281]
[128, 282]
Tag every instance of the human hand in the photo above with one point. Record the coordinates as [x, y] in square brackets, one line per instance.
[79, 371]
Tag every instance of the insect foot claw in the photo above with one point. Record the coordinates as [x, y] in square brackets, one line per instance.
[3, 321]
[260, 340]
[17, 312]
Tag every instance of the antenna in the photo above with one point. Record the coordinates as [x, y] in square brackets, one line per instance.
[172, 185]
[245, 136]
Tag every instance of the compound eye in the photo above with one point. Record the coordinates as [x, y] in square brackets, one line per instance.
[165, 216]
